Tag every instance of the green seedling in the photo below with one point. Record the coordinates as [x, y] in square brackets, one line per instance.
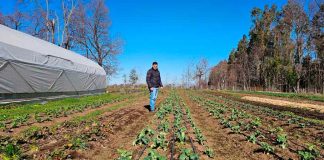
[310, 153]
[153, 155]
[187, 154]
[266, 148]
[282, 140]
[160, 142]
[143, 137]
[209, 152]
[124, 155]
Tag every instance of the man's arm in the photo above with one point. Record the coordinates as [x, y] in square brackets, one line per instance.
[148, 79]
[160, 81]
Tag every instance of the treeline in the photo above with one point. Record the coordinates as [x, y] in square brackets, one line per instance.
[283, 52]
[78, 25]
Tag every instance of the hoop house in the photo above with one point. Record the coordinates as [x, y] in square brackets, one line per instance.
[31, 66]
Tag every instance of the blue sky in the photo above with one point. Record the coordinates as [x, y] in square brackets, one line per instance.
[176, 32]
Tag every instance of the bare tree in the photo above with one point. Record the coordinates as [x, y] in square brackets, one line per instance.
[37, 26]
[95, 37]
[1, 19]
[187, 76]
[68, 11]
[200, 72]
[133, 77]
[14, 20]
[218, 76]
[80, 29]
[125, 79]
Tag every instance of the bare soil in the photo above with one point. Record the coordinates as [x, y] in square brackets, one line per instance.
[285, 103]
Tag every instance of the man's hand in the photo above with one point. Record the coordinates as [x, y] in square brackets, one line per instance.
[151, 88]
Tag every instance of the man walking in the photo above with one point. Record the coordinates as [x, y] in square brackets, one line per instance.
[153, 80]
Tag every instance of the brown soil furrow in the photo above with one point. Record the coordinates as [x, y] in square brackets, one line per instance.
[298, 111]
[296, 135]
[225, 145]
[128, 125]
[16, 131]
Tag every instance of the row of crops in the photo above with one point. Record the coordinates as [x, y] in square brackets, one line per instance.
[173, 135]
[22, 115]
[58, 140]
[282, 134]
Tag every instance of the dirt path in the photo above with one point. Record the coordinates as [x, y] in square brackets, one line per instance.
[123, 130]
[225, 145]
[312, 107]
[17, 131]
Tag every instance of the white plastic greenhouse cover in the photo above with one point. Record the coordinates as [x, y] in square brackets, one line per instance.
[32, 65]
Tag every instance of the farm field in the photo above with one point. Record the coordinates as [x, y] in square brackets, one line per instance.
[161, 80]
[188, 124]
[309, 105]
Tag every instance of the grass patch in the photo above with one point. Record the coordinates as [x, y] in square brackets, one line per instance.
[94, 115]
[63, 105]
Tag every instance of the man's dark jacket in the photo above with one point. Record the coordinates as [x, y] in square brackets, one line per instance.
[153, 78]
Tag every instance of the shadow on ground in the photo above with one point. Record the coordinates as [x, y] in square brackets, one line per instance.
[147, 107]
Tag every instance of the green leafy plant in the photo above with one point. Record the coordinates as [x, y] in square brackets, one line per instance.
[160, 114]
[187, 154]
[236, 129]
[252, 138]
[38, 118]
[266, 148]
[310, 153]
[256, 122]
[2, 126]
[181, 136]
[226, 123]
[143, 137]
[160, 141]
[124, 155]
[153, 155]
[77, 143]
[209, 152]
[164, 126]
[282, 140]
[199, 136]
[258, 134]
[302, 125]
[11, 152]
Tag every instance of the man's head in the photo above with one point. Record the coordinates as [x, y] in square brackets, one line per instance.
[155, 65]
